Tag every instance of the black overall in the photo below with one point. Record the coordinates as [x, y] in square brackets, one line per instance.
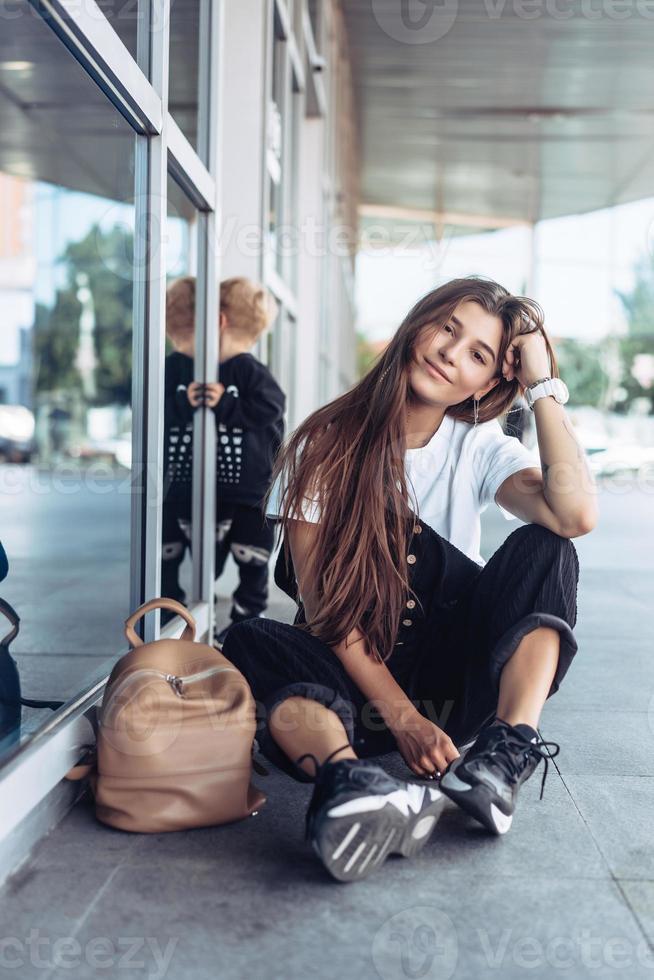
[450, 649]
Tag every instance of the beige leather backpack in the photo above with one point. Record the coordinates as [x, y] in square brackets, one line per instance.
[175, 736]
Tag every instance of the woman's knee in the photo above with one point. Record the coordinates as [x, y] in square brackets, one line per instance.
[538, 541]
[250, 638]
[268, 648]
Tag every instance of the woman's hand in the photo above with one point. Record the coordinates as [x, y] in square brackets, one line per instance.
[527, 359]
[424, 746]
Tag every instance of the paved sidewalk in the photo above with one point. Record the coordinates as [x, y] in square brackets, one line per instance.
[568, 892]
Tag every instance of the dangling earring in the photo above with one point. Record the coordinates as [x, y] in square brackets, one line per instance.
[383, 375]
[475, 403]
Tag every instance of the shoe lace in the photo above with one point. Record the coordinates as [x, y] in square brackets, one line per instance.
[319, 769]
[510, 751]
[319, 766]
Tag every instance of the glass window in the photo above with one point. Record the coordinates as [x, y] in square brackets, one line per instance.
[291, 189]
[66, 281]
[179, 399]
[315, 16]
[279, 353]
[183, 87]
[282, 164]
[124, 17]
[296, 11]
[275, 153]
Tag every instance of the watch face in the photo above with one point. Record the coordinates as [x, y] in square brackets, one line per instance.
[553, 385]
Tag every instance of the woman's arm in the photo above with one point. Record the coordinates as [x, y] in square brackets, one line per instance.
[425, 747]
[566, 489]
[373, 679]
[568, 486]
[376, 683]
[422, 744]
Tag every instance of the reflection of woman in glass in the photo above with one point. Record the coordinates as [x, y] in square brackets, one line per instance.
[404, 638]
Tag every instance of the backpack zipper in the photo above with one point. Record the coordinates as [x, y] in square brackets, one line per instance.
[176, 681]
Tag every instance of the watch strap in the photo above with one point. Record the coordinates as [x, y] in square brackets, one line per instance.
[540, 381]
[549, 386]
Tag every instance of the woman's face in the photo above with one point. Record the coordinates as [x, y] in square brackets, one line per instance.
[465, 349]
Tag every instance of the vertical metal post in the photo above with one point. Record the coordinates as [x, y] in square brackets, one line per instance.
[207, 311]
[149, 335]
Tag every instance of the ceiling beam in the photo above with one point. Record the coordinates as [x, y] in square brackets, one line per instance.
[390, 212]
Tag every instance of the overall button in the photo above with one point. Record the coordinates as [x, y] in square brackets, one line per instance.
[417, 529]
[411, 559]
[411, 604]
[407, 622]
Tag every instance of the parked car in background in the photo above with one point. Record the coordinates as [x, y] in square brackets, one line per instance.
[17, 428]
[623, 459]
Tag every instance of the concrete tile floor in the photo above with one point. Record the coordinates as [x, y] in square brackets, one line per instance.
[568, 892]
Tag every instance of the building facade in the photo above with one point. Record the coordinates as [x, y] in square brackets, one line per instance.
[143, 142]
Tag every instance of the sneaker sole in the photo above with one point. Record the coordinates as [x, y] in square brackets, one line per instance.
[353, 844]
[478, 801]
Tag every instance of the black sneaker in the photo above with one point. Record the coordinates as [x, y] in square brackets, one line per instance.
[485, 781]
[358, 815]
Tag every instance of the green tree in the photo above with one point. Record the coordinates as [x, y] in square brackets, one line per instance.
[639, 309]
[56, 333]
[107, 259]
[639, 303]
[630, 348]
[580, 365]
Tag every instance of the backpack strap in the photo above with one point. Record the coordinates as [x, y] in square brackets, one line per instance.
[132, 637]
[85, 767]
[13, 618]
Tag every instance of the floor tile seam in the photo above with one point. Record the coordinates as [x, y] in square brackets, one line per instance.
[464, 875]
[612, 876]
[599, 709]
[612, 775]
[79, 923]
[554, 763]
[649, 940]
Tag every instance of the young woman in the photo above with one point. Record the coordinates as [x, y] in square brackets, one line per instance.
[404, 639]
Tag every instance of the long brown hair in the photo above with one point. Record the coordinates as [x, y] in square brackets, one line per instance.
[349, 457]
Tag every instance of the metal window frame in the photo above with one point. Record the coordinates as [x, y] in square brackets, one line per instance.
[186, 167]
[149, 340]
[207, 310]
[281, 278]
[326, 360]
[91, 39]
[34, 771]
[315, 62]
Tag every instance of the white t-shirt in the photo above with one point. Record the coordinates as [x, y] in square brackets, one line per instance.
[453, 479]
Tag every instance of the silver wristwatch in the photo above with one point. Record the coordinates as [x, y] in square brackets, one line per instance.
[547, 386]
